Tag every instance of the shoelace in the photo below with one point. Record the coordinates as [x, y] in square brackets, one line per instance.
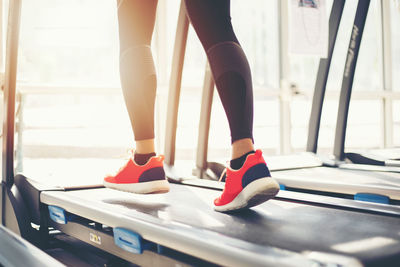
[222, 175]
[131, 153]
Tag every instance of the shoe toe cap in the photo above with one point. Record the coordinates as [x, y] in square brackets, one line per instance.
[109, 179]
[218, 201]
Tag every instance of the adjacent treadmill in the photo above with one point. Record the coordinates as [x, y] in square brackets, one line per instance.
[15, 252]
[181, 227]
[377, 159]
[360, 181]
[308, 172]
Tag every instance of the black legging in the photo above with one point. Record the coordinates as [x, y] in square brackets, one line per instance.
[212, 23]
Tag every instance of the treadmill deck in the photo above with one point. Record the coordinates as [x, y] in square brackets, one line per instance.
[185, 220]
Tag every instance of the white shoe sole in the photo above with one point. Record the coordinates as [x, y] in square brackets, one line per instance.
[159, 186]
[253, 194]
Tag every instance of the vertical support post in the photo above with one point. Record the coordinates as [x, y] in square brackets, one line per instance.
[175, 85]
[284, 100]
[322, 78]
[204, 123]
[10, 77]
[9, 90]
[348, 77]
[387, 73]
[160, 39]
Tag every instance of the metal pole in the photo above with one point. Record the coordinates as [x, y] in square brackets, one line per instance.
[387, 73]
[9, 90]
[285, 93]
[175, 85]
[160, 35]
[348, 77]
[322, 77]
[204, 123]
[9, 99]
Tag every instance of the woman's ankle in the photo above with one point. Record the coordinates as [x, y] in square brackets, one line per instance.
[145, 146]
[241, 147]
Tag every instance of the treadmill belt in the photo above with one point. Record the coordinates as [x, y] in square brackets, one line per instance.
[286, 225]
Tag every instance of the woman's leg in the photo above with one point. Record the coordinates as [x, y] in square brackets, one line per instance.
[252, 184]
[145, 172]
[212, 23]
[138, 76]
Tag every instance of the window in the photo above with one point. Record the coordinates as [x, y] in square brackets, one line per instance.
[69, 73]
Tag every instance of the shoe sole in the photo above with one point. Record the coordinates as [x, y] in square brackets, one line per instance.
[160, 186]
[253, 194]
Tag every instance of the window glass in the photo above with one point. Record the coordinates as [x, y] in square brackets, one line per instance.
[396, 123]
[69, 42]
[395, 21]
[367, 75]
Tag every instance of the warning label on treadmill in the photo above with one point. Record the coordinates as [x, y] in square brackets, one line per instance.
[95, 238]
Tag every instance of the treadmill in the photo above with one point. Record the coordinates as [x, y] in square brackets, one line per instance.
[350, 178]
[308, 172]
[181, 228]
[377, 159]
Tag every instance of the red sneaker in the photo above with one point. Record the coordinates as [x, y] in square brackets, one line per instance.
[247, 187]
[140, 179]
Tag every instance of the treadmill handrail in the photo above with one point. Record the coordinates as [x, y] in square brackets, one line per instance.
[15, 251]
[348, 77]
[322, 78]
[10, 79]
[175, 84]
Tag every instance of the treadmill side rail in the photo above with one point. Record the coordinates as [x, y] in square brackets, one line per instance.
[15, 251]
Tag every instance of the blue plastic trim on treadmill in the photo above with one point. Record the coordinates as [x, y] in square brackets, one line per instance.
[58, 214]
[282, 187]
[371, 198]
[128, 240]
[160, 249]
